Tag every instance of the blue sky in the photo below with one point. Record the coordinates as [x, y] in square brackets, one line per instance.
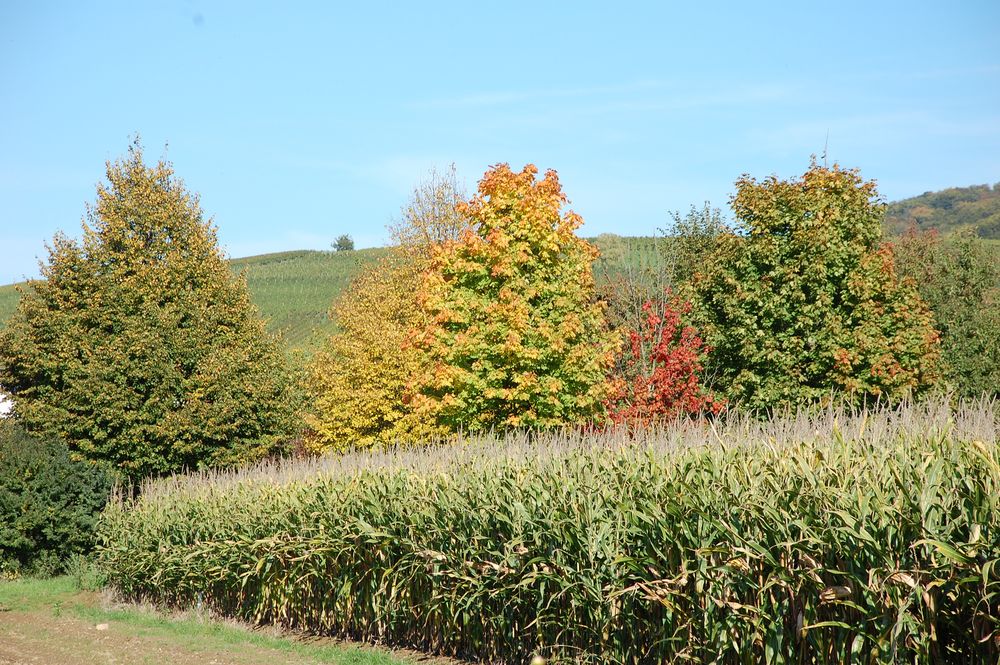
[297, 122]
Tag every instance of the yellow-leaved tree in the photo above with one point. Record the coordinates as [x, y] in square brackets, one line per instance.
[514, 336]
[358, 380]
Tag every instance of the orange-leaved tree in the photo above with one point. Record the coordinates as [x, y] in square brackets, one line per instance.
[515, 336]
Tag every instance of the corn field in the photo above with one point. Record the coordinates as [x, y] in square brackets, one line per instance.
[865, 536]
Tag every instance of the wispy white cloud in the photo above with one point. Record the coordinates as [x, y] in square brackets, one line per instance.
[679, 99]
[611, 115]
[403, 172]
[876, 128]
[45, 177]
[399, 173]
[987, 70]
[505, 97]
[641, 96]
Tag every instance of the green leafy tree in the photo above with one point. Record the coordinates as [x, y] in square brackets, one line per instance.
[801, 301]
[959, 278]
[139, 348]
[689, 241]
[515, 336]
[343, 243]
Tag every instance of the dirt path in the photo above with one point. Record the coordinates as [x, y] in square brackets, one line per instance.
[50, 623]
[32, 638]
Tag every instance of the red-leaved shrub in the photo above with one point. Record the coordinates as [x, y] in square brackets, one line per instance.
[660, 376]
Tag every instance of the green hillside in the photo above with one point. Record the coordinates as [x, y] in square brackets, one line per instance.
[8, 301]
[622, 255]
[294, 290]
[974, 208]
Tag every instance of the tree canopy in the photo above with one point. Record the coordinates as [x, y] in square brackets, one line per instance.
[959, 278]
[343, 243]
[138, 347]
[801, 300]
[515, 337]
[359, 381]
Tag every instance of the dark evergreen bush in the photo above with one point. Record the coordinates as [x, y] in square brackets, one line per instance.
[49, 503]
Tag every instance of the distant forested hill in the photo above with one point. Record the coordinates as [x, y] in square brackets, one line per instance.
[953, 209]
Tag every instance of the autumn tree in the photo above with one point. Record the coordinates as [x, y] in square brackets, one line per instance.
[358, 381]
[515, 337]
[138, 347]
[801, 301]
[432, 215]
[633, 274]
[660, 374]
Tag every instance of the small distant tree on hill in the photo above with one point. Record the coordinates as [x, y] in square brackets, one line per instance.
[139, 348]
[515, 337]
[802, 301]
[343, 243]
